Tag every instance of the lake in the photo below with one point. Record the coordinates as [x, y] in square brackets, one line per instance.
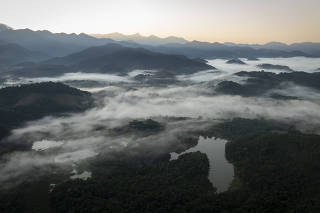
[221, 172]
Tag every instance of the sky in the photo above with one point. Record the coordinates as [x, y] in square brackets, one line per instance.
[240, 21]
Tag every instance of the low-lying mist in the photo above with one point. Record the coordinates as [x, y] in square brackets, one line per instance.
[64, 142]
[295, 63]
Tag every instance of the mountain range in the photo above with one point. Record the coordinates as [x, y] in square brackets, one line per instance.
[111, 58]
[146, 40]
[121, 53]
[11, 53]
[310, 48]
[128, 123]
[51, 44]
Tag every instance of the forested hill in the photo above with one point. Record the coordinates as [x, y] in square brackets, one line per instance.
[33, 101]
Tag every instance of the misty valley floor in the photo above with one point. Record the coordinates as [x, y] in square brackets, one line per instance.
[131, 183]
[94, 142]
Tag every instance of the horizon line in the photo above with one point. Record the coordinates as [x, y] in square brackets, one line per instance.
[161, 37]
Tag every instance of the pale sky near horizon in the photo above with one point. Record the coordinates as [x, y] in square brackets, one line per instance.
[241, 21]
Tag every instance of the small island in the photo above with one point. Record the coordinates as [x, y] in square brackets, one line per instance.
[275, 67]
[139, 126]
[235, 61]
[230, 88]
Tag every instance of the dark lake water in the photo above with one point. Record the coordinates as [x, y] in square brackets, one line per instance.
[221, 171]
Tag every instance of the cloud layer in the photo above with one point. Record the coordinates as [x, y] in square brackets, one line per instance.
[65, 142]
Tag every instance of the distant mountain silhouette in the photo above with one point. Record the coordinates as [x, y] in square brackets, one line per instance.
[54, 44]
[209, 50]
[113, 58]
[62, 44]
[145, 40]
[221, 49]
[310, 48]
[11, 54]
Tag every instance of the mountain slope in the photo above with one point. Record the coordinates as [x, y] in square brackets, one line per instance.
[33, 101]
[114, 58]
[12, 53]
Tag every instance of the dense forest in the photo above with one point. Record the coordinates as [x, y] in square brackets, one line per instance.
[33, 101]
[276, 170]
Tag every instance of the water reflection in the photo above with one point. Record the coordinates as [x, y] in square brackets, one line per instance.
[221, 171]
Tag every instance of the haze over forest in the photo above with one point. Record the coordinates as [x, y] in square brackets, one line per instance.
[213, 106]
